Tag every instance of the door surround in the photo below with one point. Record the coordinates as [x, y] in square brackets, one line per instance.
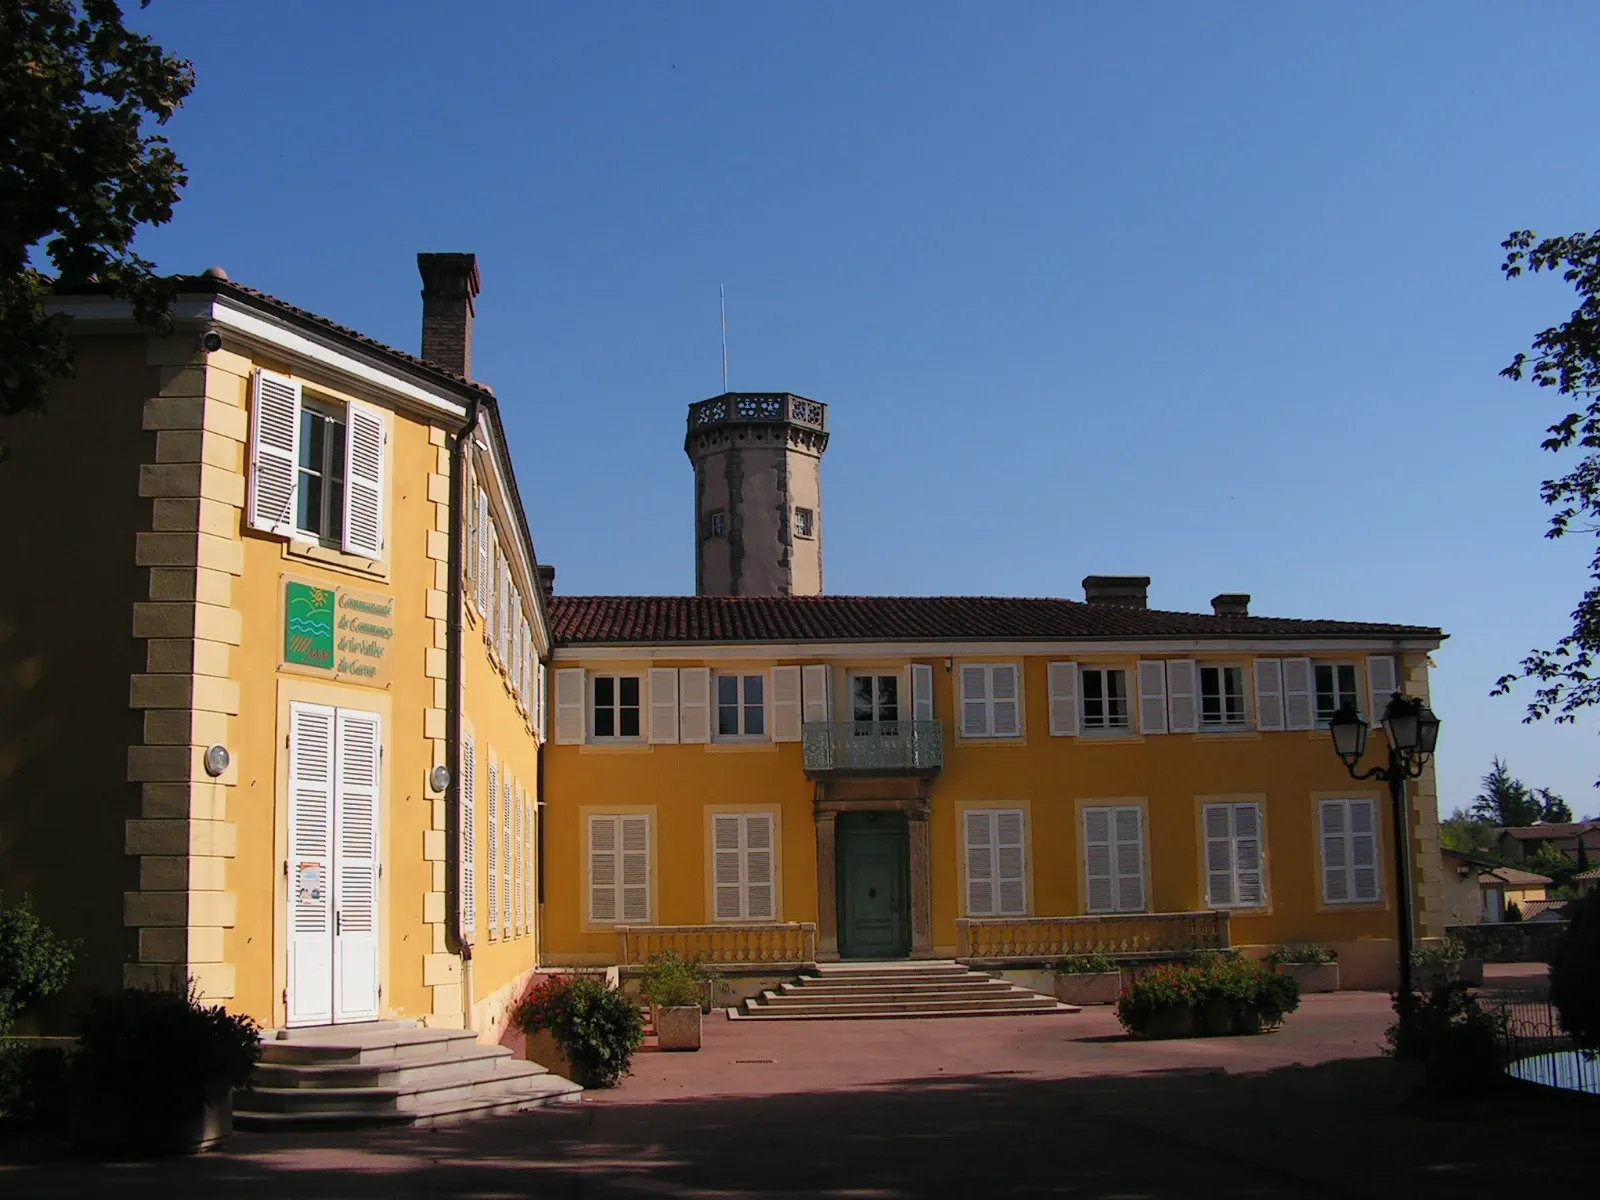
[908, 796]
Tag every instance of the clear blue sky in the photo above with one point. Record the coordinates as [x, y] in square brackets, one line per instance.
[1204, 292]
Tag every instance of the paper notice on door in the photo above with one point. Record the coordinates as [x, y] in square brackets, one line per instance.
[309, 888]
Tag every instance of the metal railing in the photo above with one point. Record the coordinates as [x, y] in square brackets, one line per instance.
[791, 943]
[872, 747]
[1536, 1049]
[1125, 934]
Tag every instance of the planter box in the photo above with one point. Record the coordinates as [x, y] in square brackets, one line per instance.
[107, 1126]
[678, 1028]
[1312, 977]
[1179, 1021]
[1100, 987]
[1429, 976]
[541, 1048]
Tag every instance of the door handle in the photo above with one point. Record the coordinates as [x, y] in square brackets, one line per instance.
[335, 924]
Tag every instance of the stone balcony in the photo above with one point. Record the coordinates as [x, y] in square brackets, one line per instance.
[839, 749]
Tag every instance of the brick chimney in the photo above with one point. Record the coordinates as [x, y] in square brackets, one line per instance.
[449, 283]
[1231, 604]
[1129, 591]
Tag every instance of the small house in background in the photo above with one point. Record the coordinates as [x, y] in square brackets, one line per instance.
[1525, 841]
[1478, 890]
[1504, 886]
[1587, 881]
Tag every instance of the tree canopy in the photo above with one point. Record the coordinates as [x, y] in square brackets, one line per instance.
[80, 173]
[1505, 800]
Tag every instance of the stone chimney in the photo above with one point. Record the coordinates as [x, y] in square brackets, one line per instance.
[1231, 604]
[449, 283]
[547, 579]
[1129, 591]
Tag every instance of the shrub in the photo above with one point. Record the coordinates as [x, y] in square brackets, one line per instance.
[673, 982]
[1248, 986]
[1446, 950]
[1203, 958]
[1088, 964]
[1513, 911]
[1575, 972]
[163, 1051]
[595, 1025]
[1299, 953]
[35, 1083]
[1456, 1040]
[34, 962]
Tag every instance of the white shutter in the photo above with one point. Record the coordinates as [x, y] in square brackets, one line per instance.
[980, 863]
[310, 860]
[355, 964]
[1010, 864]
[694, 704]
[1063, 678]
[1269, 694]
[1152, 695]
[517, 862]
[759, 902]
[1183, 704]
[786, 709]
[1382, 682]
[815, 692]
[542, 701]
[468, 496]
[663, 704]
[492, 808]
[1249, 888]
[467, 797]
[1363, 851]
[274, 452]
[1219, 855]
[503, 606]
[513, 658]
[1099, 877]
[727, 885]
[1299, 699]
[1128, 828]
[508, 845]
[529, 860]
[363, 481]
[525, 669]
[921, 692]
[635, 886]
[483, 580]
[603, 850]
[1007, 697]
[974, 701]
[569, 706]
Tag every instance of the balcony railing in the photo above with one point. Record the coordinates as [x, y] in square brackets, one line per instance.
[986, 939]
[872, 748]
[786, 943]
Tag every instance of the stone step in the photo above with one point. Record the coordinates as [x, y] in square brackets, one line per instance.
[775, 1003]
[871, 986]
[807, 996]
[367, 1045]
[867, 1013]
[482, 1083]
[907, 971]
[540, 1090]
[397, 1073]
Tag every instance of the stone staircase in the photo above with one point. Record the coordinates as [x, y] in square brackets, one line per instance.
[844, 991]
[388, 1073]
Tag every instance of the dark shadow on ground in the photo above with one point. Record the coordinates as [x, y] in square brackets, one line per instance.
[1341, 1129]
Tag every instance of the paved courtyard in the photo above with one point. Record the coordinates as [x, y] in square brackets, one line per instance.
[1054, 1105]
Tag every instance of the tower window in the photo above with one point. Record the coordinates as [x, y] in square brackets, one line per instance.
[805, 522]
[717, 524]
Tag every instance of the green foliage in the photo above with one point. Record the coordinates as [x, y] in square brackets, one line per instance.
[1553, 808]
[34, 962]
[1248, 986]
[1505, 800]
[1296, 953]
[1566, 358]
[82, 174]
[595, 1025]
[1467, 833]
[674, 982]
[163, 1051]
[1088, 964]
[1455, 1039]
[1575, 972]
[1440, 952]
[35, 1083]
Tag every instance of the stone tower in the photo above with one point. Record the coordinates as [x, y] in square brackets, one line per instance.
[757, 493]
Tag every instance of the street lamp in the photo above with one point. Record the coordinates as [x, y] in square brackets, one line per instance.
[1412, 732]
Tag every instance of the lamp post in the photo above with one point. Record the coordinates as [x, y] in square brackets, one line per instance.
[1412, 732]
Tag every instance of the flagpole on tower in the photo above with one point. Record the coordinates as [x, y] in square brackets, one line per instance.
[722, 295]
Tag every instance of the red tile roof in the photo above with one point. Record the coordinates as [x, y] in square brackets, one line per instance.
[1553, 831]
[644, 620]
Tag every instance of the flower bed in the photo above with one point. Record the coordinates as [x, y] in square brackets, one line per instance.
[1217, 997]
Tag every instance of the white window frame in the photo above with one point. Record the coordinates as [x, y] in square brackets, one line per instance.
[738, 866]
[1350, 846]
[743, 678]
[617, 708]
[1225, 725]
[876, 676]
[1128, 700]
[989, 703]
[1237, 855]
[984, 861]
[809, 531]
[1339, 694]
[333, 413]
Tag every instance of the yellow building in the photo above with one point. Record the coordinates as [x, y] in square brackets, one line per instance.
[232, 681]
[774, 777]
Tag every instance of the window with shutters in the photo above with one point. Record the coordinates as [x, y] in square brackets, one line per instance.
[1336, 687]
[741, 706]
[319, 481]
[619, 869]
[467, 798]
[491, 810]
[1103, 698]
[615, 711]
[508, 846]
[1222, 698]
[1234, 874]
[1349, 838]
[875, 704]
[744, 867]
[996, 862]
[991, 700]
[1113, 849]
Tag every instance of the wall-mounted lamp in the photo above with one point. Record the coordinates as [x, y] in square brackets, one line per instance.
[1463, 870]
[217, 760]
[947, 666]
[439, 778]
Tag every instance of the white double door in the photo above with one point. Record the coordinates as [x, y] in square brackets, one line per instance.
[335, 757]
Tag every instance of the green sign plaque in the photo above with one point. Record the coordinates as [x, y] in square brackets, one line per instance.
[346, 634]
[308, 625]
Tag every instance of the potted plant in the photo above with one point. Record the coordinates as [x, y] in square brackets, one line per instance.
[155, 1071]
[594, 1025]
[1088, 979]
[1215, 996]
[673, 988]
[1161, 1003]
[1444, 960]
[1315, 968]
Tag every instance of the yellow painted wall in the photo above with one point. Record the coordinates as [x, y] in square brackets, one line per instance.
[1049, 776]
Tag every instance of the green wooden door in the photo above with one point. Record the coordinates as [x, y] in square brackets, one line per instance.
[874, 885]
